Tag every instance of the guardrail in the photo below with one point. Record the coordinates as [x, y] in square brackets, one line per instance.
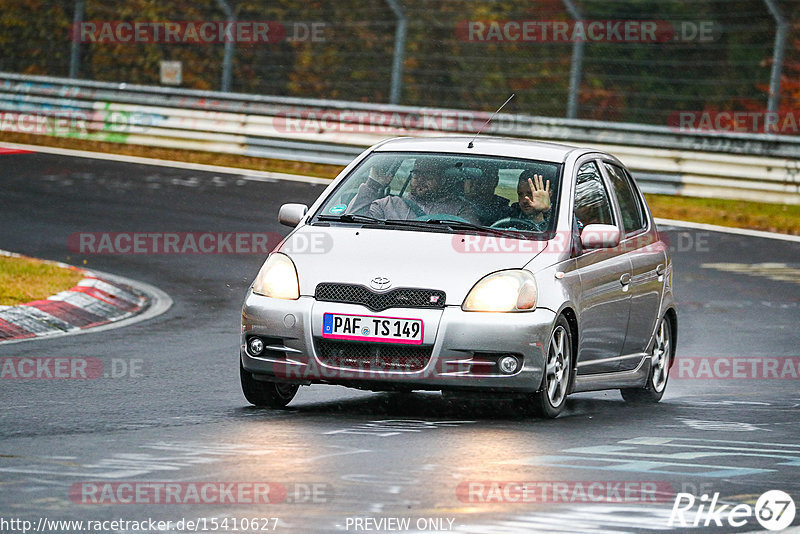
[722, 165]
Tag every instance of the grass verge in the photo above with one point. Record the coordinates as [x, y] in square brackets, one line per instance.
[25, 279]
[734, 213]
[781, 218]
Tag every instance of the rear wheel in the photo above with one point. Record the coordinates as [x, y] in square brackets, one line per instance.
[550, 399]
[660, 356]
[266, 394]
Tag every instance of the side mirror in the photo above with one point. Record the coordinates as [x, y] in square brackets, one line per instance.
[291, 214]
[600, 236]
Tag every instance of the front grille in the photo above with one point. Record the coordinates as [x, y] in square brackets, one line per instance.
[372, 357]
[401, 297]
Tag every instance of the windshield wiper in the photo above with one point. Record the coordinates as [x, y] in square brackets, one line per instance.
[351, 217]
[465, 225]
[367, 219]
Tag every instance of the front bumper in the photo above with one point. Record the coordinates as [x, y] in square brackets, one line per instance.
[459, 344]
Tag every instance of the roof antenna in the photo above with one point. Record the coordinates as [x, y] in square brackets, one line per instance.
[470, 145]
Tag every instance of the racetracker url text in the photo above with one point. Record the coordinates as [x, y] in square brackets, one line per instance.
[199, 524]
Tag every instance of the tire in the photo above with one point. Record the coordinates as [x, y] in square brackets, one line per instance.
[266, 394]
[549, 401]
[661, 354]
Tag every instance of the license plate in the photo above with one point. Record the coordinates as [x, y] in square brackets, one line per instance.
[372, 328]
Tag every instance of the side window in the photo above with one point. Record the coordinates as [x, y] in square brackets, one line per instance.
[630, 205]
[592, 205]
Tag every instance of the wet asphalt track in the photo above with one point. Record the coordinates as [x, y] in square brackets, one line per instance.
[343, 454]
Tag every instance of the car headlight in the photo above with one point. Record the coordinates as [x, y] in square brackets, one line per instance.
[278, 278]
[504, 291]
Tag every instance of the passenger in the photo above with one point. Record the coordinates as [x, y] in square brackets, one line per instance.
[534, 200]
[430, 193]
[480, 192]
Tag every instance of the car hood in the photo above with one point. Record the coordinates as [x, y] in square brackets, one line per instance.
[452, 263]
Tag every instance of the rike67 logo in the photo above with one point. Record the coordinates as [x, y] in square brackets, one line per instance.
[774, 510]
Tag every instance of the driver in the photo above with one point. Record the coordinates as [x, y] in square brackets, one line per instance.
[534, 200]
[431, 192]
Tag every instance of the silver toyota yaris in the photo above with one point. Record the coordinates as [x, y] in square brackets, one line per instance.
[517, 268]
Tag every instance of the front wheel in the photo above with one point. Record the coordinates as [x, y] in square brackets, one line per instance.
[266, 394]
[660, 356]
[550, 399]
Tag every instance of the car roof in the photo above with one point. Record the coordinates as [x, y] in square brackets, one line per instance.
[488, 146]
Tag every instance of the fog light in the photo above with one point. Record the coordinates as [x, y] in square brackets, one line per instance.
[256, 346]
[508, 365]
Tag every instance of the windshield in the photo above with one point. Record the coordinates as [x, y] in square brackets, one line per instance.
[475, 191]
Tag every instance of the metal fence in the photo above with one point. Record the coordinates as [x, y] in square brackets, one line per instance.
[739, 166]
[463, 54]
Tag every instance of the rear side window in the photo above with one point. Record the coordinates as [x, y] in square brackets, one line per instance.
[630, 205]
[592, 205]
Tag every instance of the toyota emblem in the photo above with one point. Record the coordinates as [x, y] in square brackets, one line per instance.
[380, 282]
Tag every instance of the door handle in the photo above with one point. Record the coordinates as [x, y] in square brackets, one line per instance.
[625, 279]
[660, 269]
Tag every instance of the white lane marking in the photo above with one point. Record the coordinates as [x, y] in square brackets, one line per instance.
[245, 174]
[648, 454]
[728, 230]
[662, 441]
[394, 427]
[780, 272]
[731, 403]
[721, 426]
